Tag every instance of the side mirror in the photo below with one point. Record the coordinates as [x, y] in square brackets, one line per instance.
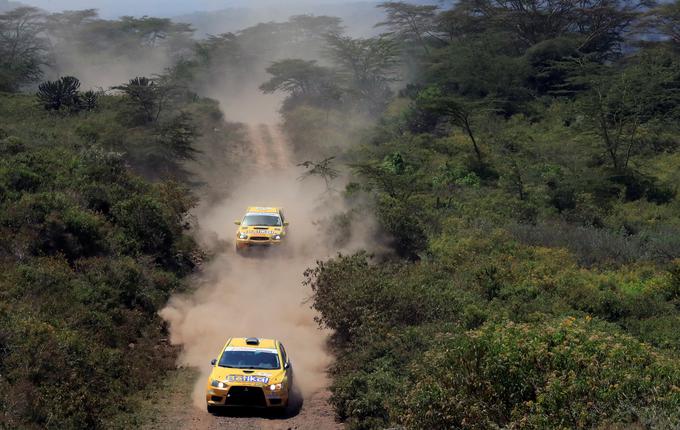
[286, 223]
[213, 361]
[237, 222]
[287, 365]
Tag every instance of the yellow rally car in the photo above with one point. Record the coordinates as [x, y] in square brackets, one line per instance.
[261, 226]
[250, 372]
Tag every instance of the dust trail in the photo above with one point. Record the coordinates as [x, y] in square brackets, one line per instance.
[258, 147]
[280, 145]
[261, 295]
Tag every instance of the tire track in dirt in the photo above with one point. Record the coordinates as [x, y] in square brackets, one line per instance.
[281, 146]
[258, 147]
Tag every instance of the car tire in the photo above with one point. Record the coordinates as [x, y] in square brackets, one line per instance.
[212, 409]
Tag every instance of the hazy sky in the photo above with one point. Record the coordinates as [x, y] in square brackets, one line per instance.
[165, 8]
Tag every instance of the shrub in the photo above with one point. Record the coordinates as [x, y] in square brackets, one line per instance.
[60, 94]
[566, 373]
[73, 297]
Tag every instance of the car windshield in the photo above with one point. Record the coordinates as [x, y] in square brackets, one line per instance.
[250, 359]
[251, 220]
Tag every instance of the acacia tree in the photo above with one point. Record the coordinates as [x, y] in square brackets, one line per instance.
[148, 97]
[623, 106]
[366, 66]
[323, 169]
[303, 80]
[23, 47]
[433, 101]
[411, 23]
[599, 25]
[296, 77]
[310, 27]
[150, 31]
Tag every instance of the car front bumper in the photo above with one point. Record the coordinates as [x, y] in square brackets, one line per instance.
[246, 396]
[259, 241]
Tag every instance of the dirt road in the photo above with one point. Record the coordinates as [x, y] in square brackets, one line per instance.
[315, 414]
[260, 296]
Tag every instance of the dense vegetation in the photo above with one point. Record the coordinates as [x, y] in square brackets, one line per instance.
[526, 177]
[89, 252]
[520, 159]
[90, 248]
[95, 194]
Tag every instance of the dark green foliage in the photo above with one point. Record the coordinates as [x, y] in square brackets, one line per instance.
[573, 372]
[89, 252]
[366, 67]
[89, 100]
[524, 179]
[81, 283]
[494, 334]
[63, 94]
[146, 99]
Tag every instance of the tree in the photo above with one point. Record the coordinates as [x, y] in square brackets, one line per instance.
[296, 77]
[310, 27]
[323, 169]
[411, 23]
[150, 30]
[393, 176]
[23, 48]
[598, 24]
[303, 81]
[622, 105]
[432, 101]
[367, 66]
[173, 146]
[148, 97]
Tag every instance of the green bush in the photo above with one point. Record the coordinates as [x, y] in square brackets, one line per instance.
[566, 373]
[82, 277]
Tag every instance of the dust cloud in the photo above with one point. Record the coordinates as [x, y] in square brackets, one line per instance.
[259, 295]
[242, 101]
[104, 72]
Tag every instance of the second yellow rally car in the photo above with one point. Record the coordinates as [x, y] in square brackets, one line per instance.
[261, 226]
[250, 372]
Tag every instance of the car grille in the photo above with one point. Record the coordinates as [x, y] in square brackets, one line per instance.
[246, 396]
[259, 238]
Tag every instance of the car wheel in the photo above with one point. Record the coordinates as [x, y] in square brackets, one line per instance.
[212, 409]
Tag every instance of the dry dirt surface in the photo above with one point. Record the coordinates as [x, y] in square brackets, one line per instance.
[260, 295]
[314, 414]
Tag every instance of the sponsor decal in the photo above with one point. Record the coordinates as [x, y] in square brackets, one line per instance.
[247, 378]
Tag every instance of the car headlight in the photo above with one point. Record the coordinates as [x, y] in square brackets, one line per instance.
[275, 387]
[242, 236]
[277, 237]
[217, 383]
